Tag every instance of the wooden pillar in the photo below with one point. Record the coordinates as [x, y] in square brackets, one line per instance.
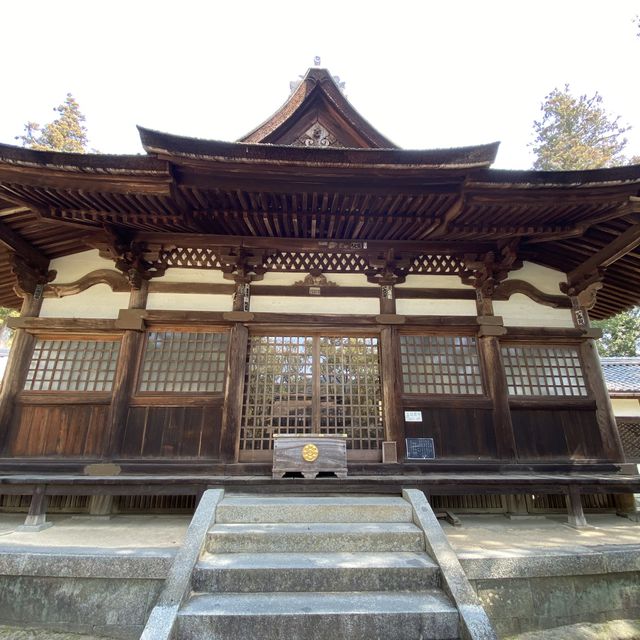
[17, 367]
[611, 443]
[496, 381]
[575, 510]
[387, 298]
[36, 519]
[392, 388]
[232, 411]
[126, 370]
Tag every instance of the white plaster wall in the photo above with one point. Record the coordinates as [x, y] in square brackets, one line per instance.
[97, 302]
[433, 282]
[521, 311]
[436, 307]
[72, 268]
[626, 407]
[543, 278]
[312, 304]
[189, 302]
[207, 276]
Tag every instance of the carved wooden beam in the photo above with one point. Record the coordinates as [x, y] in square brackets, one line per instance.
[138, 261]
[205, 240]
[116, 280]
[17, 244]
[30, 280]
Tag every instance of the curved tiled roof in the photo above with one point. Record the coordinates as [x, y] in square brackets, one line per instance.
[622, 375]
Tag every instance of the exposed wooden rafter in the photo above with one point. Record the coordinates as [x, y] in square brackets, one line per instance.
[15, 243]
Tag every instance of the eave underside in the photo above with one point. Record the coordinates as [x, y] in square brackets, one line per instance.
[557, 221]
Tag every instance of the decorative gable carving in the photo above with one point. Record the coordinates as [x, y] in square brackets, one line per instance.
[317, 136]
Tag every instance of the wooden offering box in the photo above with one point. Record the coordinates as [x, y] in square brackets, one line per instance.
[309, 454]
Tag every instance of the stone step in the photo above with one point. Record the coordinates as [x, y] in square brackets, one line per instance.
[314, 537]
[248, 509]
[319, 616]
[250, 572]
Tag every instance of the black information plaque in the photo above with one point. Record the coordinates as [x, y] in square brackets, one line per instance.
[420, 449]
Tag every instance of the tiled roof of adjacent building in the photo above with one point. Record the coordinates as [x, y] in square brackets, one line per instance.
[622, 375]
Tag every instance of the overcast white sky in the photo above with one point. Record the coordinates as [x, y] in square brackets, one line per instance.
[426, 74]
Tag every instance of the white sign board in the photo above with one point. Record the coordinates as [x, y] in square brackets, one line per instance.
[413, 416]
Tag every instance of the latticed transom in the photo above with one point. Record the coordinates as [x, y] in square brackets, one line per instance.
[630, 437]
[289, 391]
[440, 365]
[543, 371]
[305, 261]
[184, 362]
[350, 397]
[72, 365]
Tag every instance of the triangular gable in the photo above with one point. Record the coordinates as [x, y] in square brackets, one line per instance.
[318, 115]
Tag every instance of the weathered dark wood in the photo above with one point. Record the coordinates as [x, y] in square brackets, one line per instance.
[392, 387]
[232, 414]
[458, 433]
[592, 369]
[560, 434]
[58, 430]
[125, 376]
[17, 367]
[611, 252]
[62, 324]
[16, 243]
[496, 383]
[62, 397]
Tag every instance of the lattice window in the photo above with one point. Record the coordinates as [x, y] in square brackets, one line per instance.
[278, 389]
[184, 362]
[440, 365]
[287, 391]
[72, 365]
[630, 436]
[324, 262]
[543, 371]
[350, 397]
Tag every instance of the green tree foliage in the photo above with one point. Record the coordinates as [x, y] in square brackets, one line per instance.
[66, 133]
[620, 334]
[577, 133]
[6, 335]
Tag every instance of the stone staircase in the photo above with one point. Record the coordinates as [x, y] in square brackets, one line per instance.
[312, 568]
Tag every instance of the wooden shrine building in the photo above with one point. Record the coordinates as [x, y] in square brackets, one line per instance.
[180, 308]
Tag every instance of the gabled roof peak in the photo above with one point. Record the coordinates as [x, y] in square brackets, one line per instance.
[317, 113]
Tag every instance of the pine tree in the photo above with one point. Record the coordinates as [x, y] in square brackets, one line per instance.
[66, 133]
[577, 133]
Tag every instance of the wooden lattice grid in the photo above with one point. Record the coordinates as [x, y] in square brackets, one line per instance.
[440, 365]
[543, 371]
[283, 378]
[350, 396]
[630, 437]
[307, 261]
[184, 362]
[72, 365]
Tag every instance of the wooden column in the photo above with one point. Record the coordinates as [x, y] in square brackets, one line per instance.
[387, 298]
[232, 411]
[496, 381]
[611, 444]
[124, 380]
[391, 388]
[18, 362]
